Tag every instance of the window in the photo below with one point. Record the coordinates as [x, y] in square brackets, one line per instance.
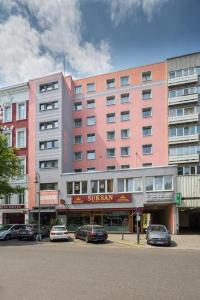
[94, 186]
[91, 137]
[49, 106]
[91, 169]
[110, 83]
[149, 183]
[147, 130]
[77, 170]
[125, 133]
[125, 166]
[48, 145]
[77, 106]
[48, 86]
[22, 166]
[48, 125]
[110, 118]
[146, 94]
[110, 100]
[21, 198]
[48, 164]
[91, 87]
[125, 151]
[91, 154]
[21, 111]
[147, 149]
[7, 114]
[78, 89]
[91, 103]
[183, 72]
[78, 139]
[69, 188]
[77, 187]
[159, 183]
[110, 168]
[49, 186]
[173, 151]
[77, 123]
[78, 155]
[147, 165]
[91, 121]
[173, 112]
[110, 152]
[146, 76]
[124, 98]
[167, 183]
[189, 170]
[124, 80]
[8, 136]
[110, 135]
[102, 186]
[147, 112]
[125, 115]
[20, 138]
[189, 90]
[129, 185]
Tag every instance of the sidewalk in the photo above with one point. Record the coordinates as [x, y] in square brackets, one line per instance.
[186, 242]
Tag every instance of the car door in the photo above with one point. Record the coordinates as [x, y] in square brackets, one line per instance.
[14, 231]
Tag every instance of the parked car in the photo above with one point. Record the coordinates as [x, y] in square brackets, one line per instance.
[30, 232]
[9, 231]
[59, 232]
[91, 233]
[158, 235]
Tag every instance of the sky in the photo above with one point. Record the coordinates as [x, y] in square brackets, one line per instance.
[88, 37]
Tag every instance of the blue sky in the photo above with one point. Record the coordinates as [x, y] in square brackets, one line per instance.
[94, 36]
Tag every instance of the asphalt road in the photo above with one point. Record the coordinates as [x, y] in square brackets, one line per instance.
[79, 271]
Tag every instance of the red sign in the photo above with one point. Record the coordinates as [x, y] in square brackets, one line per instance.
[102, 198]
[11, 206]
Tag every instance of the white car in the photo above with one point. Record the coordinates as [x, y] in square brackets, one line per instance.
[59, 232]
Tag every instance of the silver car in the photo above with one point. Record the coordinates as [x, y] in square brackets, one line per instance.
[9, 231]
[158, 235]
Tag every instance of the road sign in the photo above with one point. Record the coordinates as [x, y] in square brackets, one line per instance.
[178, 198]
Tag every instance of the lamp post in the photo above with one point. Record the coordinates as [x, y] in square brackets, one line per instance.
[37, 180]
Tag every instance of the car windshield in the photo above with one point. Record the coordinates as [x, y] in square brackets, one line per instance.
[98, 229]
[5, 227]
[157, 228]
[58, 228]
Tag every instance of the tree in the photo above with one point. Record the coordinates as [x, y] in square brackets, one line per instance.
[9, 167]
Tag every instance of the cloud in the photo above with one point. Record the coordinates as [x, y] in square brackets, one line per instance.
[121, 9]
[35, 37]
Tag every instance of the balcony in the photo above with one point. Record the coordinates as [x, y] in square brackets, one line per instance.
[175, 159]
[183, 99]
[193, 138]
[184, 119]
[183, 80]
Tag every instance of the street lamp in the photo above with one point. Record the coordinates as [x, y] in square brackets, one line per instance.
[37, 180]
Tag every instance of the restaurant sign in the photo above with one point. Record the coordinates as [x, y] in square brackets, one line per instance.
[102, 198]
[12, 206]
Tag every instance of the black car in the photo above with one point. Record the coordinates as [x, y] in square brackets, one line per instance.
[91, 233]
[30, 232]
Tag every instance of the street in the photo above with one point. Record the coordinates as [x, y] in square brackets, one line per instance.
[76, 270]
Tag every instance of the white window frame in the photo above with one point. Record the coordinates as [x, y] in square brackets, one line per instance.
[10, 139]
[10, 120]
[17, 133]
[17, 116]
[91, 152]
[129, 151]
[91, 118]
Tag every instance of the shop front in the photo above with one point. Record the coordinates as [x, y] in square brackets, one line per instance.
[12, 214]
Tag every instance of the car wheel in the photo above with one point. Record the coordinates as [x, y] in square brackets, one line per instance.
[7, 237]
[87, 239]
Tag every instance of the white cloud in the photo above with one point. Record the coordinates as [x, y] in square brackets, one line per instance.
[121, 9]
[27, 52]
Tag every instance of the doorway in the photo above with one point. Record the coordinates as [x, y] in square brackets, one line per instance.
[98, 219]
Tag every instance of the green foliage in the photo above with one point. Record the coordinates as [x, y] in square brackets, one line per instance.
[9, 167]
[54, 222]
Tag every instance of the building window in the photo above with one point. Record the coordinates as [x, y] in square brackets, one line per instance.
[91, 103]
[21, 198]
[91, 87]
[78, 155]
[78, 139]
[125, 151]
[94, 186]
[147, 130]
[91, 169]
[147, 112]
[110, 168]
[8, 136]
[48, 86]
[183, 72]
[91, 121]
[159, 183]
[21, 138]
[77, 123]
[125, 115]
[7, 114]
[78, 89]
[146, 94]
[77, 106]
[189, 90]
[129, 185]
[102, 186]
[21, 111]
[182, 111]
[110, 100]
[48, 164]
[125, 133]
[91, 154]
[110, 83]
[147, 149]
[48, 125]
[146, 76]
[125, 166]
[69, 188]
[49, 186]
[77, 187]
[124, 80]
[110, 152]
[49, 145]
[189, 170]
[77, 170]
[22, 166]
[124, 98]
[147, 165]
[110, 118]
[49, 106]
[91, 137]
[110, 135]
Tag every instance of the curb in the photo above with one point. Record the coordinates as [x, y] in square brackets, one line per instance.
[129, 244]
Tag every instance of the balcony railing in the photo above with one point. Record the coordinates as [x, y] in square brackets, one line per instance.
[183, 158]
[193, 138]
[183, 80]
[184, 119]
[183, 99]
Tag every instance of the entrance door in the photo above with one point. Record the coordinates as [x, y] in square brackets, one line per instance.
[98, 219]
